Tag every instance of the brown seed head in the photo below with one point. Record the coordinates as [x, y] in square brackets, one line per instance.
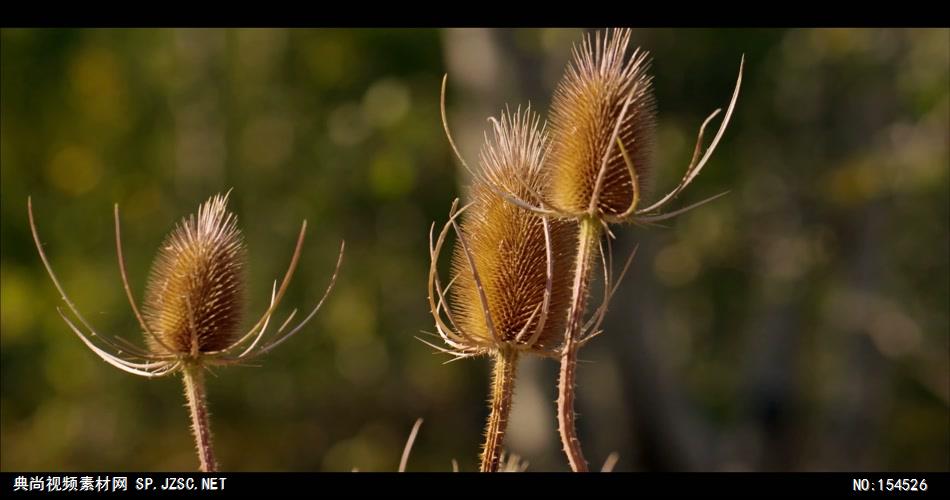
[194, 295]
[509, 248]
[604, 96]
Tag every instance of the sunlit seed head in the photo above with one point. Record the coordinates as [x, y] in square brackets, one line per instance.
[194, 295]
[508, 244]
[604, 96]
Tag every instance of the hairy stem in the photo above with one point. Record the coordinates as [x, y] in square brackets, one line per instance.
[197, 402]
[587, 239]
[503, 384]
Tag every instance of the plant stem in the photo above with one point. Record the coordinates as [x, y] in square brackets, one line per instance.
[197, 402]
[587, 239]
[503, 384]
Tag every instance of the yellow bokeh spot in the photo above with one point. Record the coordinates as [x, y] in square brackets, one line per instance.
[386, 102]
[676, 265]
[329, 60]
[392, 175]
[98, 86]
[74, 170]
[351, 317]
[853, 184]
[357, 453]
[16, 299]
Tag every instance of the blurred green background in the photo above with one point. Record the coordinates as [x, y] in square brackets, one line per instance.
[799, 323]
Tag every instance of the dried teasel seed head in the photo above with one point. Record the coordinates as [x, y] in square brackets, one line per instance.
[194, 295]
[509, 248]
[603, 97]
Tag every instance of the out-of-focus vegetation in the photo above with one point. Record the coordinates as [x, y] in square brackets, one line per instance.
[799, 323]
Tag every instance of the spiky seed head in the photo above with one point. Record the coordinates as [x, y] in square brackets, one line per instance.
[588, 115]
[508, 244]
[194, 295]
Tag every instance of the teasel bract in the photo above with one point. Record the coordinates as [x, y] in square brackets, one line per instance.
[602, 122]
[509, 290]
[192, 310]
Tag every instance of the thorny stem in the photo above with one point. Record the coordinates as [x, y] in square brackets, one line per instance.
[197, 402]
[587, 239]
[503, 384]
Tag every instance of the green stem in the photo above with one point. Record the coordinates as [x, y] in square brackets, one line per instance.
[587, 239]
[197, 402]
[503, 384]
